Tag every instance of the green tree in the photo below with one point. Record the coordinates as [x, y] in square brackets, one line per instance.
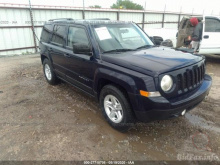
[126, 4]
[95, 6]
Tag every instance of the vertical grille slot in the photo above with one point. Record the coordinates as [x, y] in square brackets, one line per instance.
[184, 81]
[200, 70]
[187, 79]
[190, 77]
[193, 78]
[196, 76]
[203, 71]
[179, 82]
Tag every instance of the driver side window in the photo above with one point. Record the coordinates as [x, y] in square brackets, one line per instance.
[212, 25]
[77, 35]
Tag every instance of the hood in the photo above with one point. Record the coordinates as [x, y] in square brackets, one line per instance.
[152, 61]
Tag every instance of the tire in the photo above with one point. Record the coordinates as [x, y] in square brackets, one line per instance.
[49, 73]
[121, 120]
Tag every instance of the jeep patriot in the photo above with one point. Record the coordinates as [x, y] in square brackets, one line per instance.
[118, 64]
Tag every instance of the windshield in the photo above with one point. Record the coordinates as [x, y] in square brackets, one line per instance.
[120, 37]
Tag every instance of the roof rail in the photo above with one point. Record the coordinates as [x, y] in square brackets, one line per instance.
[64, 19]
[98, 19]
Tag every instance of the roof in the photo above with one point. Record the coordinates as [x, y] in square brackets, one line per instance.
[85, 21]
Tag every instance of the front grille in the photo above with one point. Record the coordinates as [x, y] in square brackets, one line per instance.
[190, 79]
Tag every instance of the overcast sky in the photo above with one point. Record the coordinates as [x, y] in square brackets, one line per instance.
[196, 6]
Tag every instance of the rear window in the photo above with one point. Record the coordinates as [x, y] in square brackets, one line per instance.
[46, 33]
[59, 33]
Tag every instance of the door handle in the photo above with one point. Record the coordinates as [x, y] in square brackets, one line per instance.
[66, 55]
[50, 49]
[206, 36]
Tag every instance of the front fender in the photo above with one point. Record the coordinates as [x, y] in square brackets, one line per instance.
[131, 81]
[121, 79]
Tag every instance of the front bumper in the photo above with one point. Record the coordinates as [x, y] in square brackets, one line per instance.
[158, 108]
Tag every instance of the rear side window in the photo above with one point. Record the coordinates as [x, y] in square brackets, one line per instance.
[59, 33]
[212, 25]
[77, 35]
[46, 33]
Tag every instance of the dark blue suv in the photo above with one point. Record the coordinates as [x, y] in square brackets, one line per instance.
[118, 64]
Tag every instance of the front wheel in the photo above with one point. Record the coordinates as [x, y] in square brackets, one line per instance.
[116, 108]
[49, 73]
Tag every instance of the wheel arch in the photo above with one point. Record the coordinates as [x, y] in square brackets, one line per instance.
[43, 57]
[123, 82]
[105, 76]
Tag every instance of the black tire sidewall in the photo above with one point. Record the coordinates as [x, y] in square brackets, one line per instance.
[53, 80]
[127, 120]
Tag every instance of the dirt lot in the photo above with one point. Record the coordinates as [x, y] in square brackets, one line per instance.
[43, 122]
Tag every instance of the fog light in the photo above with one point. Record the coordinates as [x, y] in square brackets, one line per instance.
[183, 113]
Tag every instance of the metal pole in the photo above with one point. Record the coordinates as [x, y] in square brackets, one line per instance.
[83, 12]
[179, 20]
[179, 16]
[163, 16]
[145, 5]
[143, 16]
[118, 15]
[165, 7]
[118, 12]
[32, 26]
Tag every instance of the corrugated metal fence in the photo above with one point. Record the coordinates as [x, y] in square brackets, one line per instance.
[17, 36]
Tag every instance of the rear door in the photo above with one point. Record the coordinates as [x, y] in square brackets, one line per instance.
[210, 43]
[56, 49]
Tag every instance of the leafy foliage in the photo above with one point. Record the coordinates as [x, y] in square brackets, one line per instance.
[126, 4]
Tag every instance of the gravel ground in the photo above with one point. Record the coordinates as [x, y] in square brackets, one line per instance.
[43, 122]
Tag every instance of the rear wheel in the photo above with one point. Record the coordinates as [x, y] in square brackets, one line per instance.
[116, 108]
[49, 73]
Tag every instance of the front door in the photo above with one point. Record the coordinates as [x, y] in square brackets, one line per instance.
[80, 66]
[210, 43]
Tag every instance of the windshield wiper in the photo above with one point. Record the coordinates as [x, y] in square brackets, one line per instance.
[144, 46]
[125, 50]
[118, 50]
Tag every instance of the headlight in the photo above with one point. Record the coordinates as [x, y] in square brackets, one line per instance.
[166, 83]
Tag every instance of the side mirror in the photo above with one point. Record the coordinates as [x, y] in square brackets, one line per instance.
[80, 48]
[152, 39]
[157, 40]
